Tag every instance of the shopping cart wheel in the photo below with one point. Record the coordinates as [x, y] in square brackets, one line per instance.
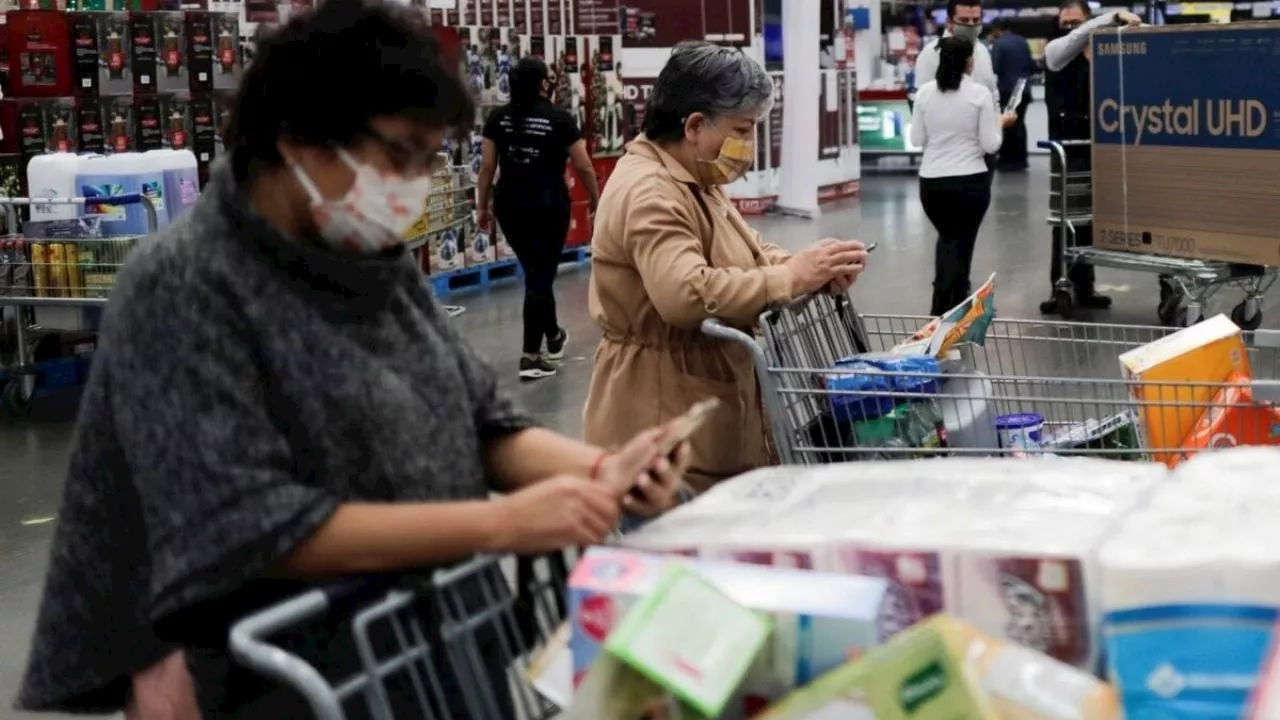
[1248, 314]
[16, 400]
[1064, 303]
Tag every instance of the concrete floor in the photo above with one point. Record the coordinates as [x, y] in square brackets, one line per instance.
[1014, 243]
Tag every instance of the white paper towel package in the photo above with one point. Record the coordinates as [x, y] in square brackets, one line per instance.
[1006, 546]
[1190, 584]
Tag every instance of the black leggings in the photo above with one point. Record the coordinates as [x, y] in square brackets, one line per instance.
[536, 234]
[955, 206]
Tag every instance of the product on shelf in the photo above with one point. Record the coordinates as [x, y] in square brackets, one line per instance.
[40, 59]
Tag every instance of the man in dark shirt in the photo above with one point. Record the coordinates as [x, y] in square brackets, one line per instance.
[1068, 96]
[1011, 60]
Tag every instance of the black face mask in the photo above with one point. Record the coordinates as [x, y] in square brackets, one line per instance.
[1064, 30]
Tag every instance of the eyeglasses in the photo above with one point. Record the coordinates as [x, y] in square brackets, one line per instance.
[407, 159]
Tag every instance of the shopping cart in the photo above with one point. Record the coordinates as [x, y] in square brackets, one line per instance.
[412, 663]
[1186, 286]
[75, 267]
[1066, 374]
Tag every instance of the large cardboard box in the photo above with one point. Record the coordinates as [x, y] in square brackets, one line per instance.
[1186, 141]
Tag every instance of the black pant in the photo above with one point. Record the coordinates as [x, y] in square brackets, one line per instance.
[955, 206]
[1081, 274]
[1013, 149]
[536, 233]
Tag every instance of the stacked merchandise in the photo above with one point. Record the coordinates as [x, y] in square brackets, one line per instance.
[1009, 575]
[577, 40]
[102, 82]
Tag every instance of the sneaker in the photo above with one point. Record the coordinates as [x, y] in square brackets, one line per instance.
[555, 348]
[535, 369]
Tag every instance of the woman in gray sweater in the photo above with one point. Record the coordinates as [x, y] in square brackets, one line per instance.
[278, 398]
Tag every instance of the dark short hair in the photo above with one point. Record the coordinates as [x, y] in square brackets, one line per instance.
[953, 4]
[1001, 24]
[526, 80]
[706, 78]
[325, 74]
[1082, 5]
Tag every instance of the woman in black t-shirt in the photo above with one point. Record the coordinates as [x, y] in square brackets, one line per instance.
[529, 140]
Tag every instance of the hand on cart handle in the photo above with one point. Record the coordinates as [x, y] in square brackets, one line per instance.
[1124, 17]
[826, 261]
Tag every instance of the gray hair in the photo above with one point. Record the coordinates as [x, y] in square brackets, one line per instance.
[706, 78]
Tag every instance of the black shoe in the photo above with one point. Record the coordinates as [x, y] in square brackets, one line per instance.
[535, 369]
[1049, 307]
[555, 348]
[1092, 301]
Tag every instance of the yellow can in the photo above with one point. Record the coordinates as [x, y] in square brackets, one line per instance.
[40, 268]
[75, 281]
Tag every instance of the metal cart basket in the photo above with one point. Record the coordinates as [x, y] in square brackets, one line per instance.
[1065, 373]
[1186, 286]
[65, 269]
[402, 672]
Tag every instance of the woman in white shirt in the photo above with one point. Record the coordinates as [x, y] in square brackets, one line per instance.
[955, 121]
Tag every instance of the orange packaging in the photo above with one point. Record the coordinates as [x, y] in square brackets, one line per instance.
[1174, 379]
[1234, 419]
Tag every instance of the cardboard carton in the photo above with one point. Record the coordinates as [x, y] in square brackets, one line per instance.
[1175, 378]
[1186, 153]
[820, 620]
[944, 669]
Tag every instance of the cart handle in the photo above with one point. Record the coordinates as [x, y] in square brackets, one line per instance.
[250, 648]
[125, 199]
[1049, 144]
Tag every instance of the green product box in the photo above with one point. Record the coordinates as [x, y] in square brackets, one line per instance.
[918, 675]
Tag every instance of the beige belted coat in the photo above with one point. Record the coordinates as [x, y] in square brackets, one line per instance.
[662, 262]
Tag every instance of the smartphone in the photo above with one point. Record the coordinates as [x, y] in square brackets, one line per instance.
[682, 429]
[686, 425]
[869, 247]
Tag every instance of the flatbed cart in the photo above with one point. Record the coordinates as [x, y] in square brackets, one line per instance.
[1062, 377]
[1186, 286]
[400, 670]
[73, 272]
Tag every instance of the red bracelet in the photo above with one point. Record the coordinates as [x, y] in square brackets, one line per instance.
[597, 466]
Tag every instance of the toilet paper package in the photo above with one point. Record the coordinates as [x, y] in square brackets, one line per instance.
[1190, 586]
[1004, 546]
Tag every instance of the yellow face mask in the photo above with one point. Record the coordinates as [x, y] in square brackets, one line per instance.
[734, 160]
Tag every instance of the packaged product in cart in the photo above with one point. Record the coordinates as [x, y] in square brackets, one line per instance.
[7, 261]
[820, 619]
[40, 268]
[1190, 586]
[881, 401]
[965, 323]
[691, 639]
[968, 674]
[1173, 379]
[22, 278]
[1233, 418]
[1264, 703]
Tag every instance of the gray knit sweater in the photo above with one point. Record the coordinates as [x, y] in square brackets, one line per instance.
[246, 384]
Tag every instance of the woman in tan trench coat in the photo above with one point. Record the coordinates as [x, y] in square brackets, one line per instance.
[670, 250]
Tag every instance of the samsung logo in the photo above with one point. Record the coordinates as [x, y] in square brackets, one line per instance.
[1122, 48]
